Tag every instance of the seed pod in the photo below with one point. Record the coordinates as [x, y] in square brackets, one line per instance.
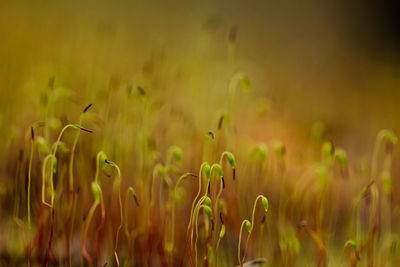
[318, 131]
[42, 145]
[352, 244]
[328, 151]
[341, 156]
[207, 171]
[86, 108]
[96, 192]
[76, 126]
[231, 159]
[262, 152]
[218, 169]
[264, 202]
[162, 172]
[207, 202]
[279, 149]
[102, 160]
[220, 121]
[248, 226]
[54, 124]
[208, 211]
[133, 192]
[62, 146]
[222, 232]
[178, 154]
[389, 136]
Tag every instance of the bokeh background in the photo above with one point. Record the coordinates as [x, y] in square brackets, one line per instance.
[335, 62]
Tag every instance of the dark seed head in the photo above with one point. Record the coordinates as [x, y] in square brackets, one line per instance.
[221, 120]
[220, 218]
[141, 91]
[263, 219]
[136, 201]
[86, 109]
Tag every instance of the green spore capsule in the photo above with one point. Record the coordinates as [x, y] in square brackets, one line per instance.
[341, 157]
[42, 145]
[102, 160]
[231, 159]
[208, 211]
[248, 225]
[222, 231]
[265, 204]
[207, 171]
[207, 202]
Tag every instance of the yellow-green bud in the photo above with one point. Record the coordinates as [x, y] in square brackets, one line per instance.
[264, 202]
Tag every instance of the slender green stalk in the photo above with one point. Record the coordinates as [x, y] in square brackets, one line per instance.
[209, 213]
[353, 245]
[119, 180]
[100, 162]
[205, 167]
[221, 235]
[245, 222]
[131, 192]
[231, 160]
[195, 214]
[216, 170]
[30, 177]
[216, 204]
[45, 162]
[97, 196]
[88, 220]
[264, 202]
[158, 170]
[71, 185]
[184, 176]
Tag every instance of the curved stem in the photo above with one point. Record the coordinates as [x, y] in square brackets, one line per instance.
[46, 159]
[245, 248]
[251, 230]
[173, 207]
[120, 208]
[240, 240]
[197, 232]
[217, 202]
[156, 168]
[216, 251]
[59, 137]
[196, 212]
[254, 210]
[29, 183]
[88, 220]
[72, 191]
[99, 227]
[196, 197]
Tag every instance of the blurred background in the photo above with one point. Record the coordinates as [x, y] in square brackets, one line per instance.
[337, 63]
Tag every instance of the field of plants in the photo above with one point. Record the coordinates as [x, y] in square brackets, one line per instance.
[137, 134]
